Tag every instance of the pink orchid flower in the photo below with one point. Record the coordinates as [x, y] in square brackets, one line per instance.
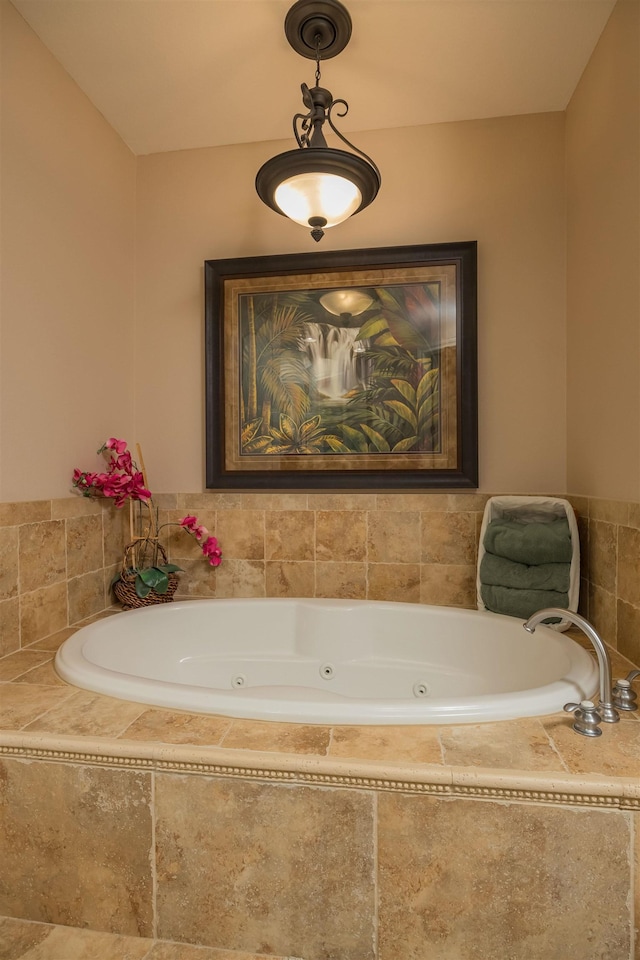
[212, 552]
[124, 481]
[118, 445]
[123, 462]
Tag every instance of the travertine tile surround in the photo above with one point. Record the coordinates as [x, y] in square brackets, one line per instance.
[610, 540]
[415, 548]
[57, 558]
[385, 843]
[437, 842]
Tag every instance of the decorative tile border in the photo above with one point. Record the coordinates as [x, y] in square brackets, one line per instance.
[442, 782]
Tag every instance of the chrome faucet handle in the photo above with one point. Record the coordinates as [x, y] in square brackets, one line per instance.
[624, 697]
[606, 710]
[587, 719]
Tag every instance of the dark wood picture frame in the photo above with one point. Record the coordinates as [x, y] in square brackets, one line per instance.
[375, 387]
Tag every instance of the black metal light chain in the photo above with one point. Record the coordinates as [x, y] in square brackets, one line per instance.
[317, 59]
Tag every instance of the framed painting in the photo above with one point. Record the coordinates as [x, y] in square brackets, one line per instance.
[350, 369]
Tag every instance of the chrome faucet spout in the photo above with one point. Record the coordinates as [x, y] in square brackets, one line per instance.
[605, 708]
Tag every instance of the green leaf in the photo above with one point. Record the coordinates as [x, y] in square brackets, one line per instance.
[355, 440]
[403, 411]
[405, 388]
[337, 445]
[150, 575]
[405, 444]
[405, 333]
[163, 584]
[386, 339]
[427, 384]
[257, 445]
[168, 567]
[287, 427]
[155, 578]
[387, 299]
[372, 327]
[250, 430]
[427, 411]
[376, 438]
[309, 429]
[141, 587]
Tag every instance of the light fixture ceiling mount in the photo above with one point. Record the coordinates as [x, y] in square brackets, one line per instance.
[317, 185]
[313, 24]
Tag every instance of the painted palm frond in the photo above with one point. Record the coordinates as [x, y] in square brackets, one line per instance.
[280, 330]
[396, 362]
[378, 418]
[285, 380]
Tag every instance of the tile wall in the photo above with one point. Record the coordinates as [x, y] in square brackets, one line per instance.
[360, 872]
[415, 548]
[57, 557]
[610, 541]
[356, 873]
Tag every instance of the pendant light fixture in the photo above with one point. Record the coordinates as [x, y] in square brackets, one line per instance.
[316, 185]
[346, 303]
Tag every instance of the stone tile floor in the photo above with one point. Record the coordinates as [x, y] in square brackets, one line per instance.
[28, 940]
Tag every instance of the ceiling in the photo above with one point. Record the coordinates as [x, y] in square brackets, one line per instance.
[179, 74]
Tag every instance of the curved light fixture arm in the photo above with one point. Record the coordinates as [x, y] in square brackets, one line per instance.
[319, 102]
[343, 138]
[302, 138]
[307, 127]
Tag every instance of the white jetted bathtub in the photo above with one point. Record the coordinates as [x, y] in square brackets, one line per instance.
[329, 661]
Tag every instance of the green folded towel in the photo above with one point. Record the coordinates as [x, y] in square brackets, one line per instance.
[520, 603]
[500, 572]
[530, 543]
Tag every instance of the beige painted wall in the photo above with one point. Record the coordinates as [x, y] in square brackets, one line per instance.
[67, 254]
[603, 265]
[499, 182]
[68, 195]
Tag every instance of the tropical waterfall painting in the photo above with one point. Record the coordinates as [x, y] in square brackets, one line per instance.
[342, 377]
[315, 381]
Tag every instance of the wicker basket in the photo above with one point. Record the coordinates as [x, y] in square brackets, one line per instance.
[125, 587]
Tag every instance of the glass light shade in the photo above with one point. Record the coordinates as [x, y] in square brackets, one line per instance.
[315, 194]
[346, 302]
